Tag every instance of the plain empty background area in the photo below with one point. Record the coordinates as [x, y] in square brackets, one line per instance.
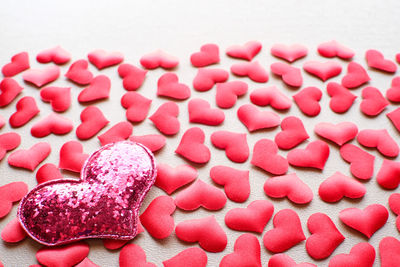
[136, 28]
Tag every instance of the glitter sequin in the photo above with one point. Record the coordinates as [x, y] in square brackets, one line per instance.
[103, 204]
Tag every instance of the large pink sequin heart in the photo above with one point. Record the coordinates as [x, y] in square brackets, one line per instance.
[104, 204]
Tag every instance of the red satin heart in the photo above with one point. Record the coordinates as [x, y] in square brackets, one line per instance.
[26, 110]
[356, 76]
[389, 174]
[323, 70]
[102, 59]
[373, 102]
[192, 146]
[361, 255]
[379, 139]
[8, 142]
[56, 54]
[308, 100]
[265, 156]
[289, 74]
[165, 118]
[314, 155]
[325, 237]
[271, 96]
[119, 132]
[340, 133]
[394, 204]
[341, 98]
[40, 77]
[93, 121]
[246, 252]
[389, 249]
[157, 217]
[98, 89]
[72, 157]
[234, 144]
[335, 49]
[207, 77]
[10, 193]
[200, 194]
[361, 162]
[201, 112]
[337, 186]
[52, 124]
[393, 93]
[289, 53]
[293, 133]
[9, 90]
[394, 117]
[193, 257]
[253, 218]
[133, 253]
[366, 221]
[137, 106]
[289, 186]
[48, 172]
[13, 232]
[206, 231]
[132, 76]
[228, 92]
[287, 232]
[255, 119]
[159, 59]
[154, 142]
[376, 60]
[253, 70]
[170, 179]
[283, 260]
[31, 158]
[78, 72]
[18, 64]
[208, 55]
[63, 256]
[247, 51]
[169, 86]
[59, 97]
[236, 182]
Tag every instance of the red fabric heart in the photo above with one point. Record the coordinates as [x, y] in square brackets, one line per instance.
[56, 54]
[325, 237]
[102, 59]
[228, 92]
[340, 133]
[119, 132]
[393, 93]
[169, 86]
[113, 244]
[201, 112]
[206, 231]
[379, 139]
[265, 156]
[2, 122]
[93, 121]
[293, 133]
[389, 249]
[137, 106]
[389, 174]
[9, 90]
[26, 110]
[159, 59]
[335, 49]
[337, 186]
[78, 72]
[289, 186]
[154, 142]
[133, 253]
[48, 172]
[323, 70]
[247, 51]
[165, 118]
[373, 102]
[8, 142]
[361, 255]
[72, 157]
[98, 89]
[208, 55]
[290, 75]
[253, 70]
[361, 162]
[170, 179]
[308, 100]
[192, 147]
[86, 263]
[132, 76]
[207, 77]
[193, 257]
[394, 204]
[64, 256]
[246, 252]
[394, 117]
[289, 53]
[13, 232]
[283, 260]
[314, 155]
[366, 221]
[59, 97]
[271, 96]
[234, 144]
[40, 77]
[254, 218]
[52, 124]
[376, 60]
[157, 217]
[31, 158]
[254, 119]
[287, 232]
[236, 182]
[10, 193]
[341, 98]
[18, 64]
[356, 76]
[200, 194]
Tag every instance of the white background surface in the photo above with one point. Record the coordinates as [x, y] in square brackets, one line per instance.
[180, 28]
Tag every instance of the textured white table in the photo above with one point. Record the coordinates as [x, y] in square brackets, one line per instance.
[180, 28]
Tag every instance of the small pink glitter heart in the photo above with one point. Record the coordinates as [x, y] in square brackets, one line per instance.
[105, 203]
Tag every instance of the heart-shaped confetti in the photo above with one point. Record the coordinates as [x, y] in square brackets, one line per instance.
[393, 93]
[72, 157]
[201, 112]
[289, 74]
[293, 133]
[133, 77]
[208, 55]
[137, 106]
[13, 232]
[9, 90]
[10, 193]
[283, 260]
[59, 97]
[234, 144]
[376, 60]
[194, 257]
[119, 132]
[40, 77]
[207, 77]
[247, 51]
[93, 121]
[133, 253]
[373, 101]
[78, 72]
[48, 172]
[63, 256]
[31, 158]
[362, 254]
[289, 53]
[389, 174]
[271, 96]
[253, 70]
[356, 76]
[340, 133]
[255, 119]
[308, 100]
[323, 70]
[335, 49]
[169, 86]
[192, 146]
[314, 155]
[52, 124]
[102, 59]
[228, 93]
[98, 89]
[56, 54]
[19, 63]
[165, 117]
[379, 139]
[341, 98]
[154, 142]
[26, 110]
[266, 157]
[389, 249]
[361, 162]
[170, 179]
[159, 59]
[8, 142]
[246, 252]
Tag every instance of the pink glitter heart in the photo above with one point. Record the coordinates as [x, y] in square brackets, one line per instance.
[105, 203]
